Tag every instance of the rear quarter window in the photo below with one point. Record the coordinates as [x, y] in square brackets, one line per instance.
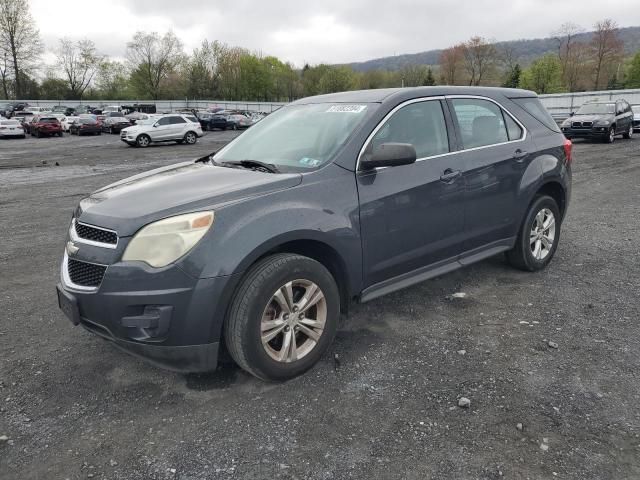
[534, 107]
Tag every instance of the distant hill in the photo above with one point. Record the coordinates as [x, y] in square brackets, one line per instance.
[526, 51]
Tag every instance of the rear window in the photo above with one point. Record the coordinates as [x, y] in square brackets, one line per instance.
[12, 123]
[191, 118]
[534, 107]
[88, 121]
[48, 120]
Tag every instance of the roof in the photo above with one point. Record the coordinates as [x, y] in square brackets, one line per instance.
[382, 94]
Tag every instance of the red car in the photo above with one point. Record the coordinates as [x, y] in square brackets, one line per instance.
[45, 126]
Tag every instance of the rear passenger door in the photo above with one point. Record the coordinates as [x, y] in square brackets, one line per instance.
[177, 128]
[496, 149]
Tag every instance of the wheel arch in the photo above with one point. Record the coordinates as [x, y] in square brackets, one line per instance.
[556, 191]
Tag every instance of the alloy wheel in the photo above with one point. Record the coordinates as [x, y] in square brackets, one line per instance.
[543, 234]
[293, 321]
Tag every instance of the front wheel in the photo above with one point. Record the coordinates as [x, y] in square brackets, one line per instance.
[539, 236]
[611, 136]
[283, 317]
[629, 134]
[143, 141]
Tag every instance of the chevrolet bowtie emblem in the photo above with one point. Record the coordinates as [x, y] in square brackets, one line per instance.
[71, 248]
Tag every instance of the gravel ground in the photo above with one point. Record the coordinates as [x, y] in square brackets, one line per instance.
[383, 403]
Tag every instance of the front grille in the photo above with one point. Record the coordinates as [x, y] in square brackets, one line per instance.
[85, 274]
[582, 124]
[95, 234]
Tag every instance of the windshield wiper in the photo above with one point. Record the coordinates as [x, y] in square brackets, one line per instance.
[253, 164]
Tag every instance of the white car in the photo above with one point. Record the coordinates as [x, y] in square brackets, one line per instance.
[177, 128]
[66, 123]
[636, 117]
[10, 128]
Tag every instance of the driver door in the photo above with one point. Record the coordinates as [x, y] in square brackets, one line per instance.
[161, 129]
[412, 216]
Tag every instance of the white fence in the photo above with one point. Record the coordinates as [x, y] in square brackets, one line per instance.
[558, 104]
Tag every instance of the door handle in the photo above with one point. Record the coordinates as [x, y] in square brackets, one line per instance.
[450, 176]
[519, 155]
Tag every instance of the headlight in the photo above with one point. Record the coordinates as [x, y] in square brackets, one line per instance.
[602, 123]
[163, 242]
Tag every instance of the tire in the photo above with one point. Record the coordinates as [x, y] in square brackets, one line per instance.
[629, 134]
[254, 302]
[190, 138]
[37, 133]
[533, 256]
[60, 134]
[99, 133]
[143, 141]
[611, 137]
[111, 130]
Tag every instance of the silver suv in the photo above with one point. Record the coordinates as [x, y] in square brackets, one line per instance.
[163, 128]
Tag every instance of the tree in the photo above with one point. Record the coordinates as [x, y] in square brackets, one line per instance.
[479, 58]
[112, 80]
[152, 58]
[53, 88]
[79, 62]
[513, 77]
[607, 50]
[451, 63]
[633, 74]
[571, 54]
[543, 76]
[429, 81]
[20, 44]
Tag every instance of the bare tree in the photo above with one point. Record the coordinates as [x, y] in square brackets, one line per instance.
[479, 58]
[570, 54]
[20, 44]
[606, 49]
[153, 58]
[451, 63]
[79, 62]
[4, 74]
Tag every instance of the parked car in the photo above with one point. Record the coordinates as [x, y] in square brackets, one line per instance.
[238, 121]
[11, 128]
[166, 128]
[36, 111]
[114, 122]
[25, 122]
[6, 109]
[66, 123]
[345, 196]
[110, 108]
[600, 121]
[64, 110]
[45, 126]
[636, 117]
[85, 126]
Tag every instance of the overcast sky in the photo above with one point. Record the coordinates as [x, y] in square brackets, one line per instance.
[330, 31]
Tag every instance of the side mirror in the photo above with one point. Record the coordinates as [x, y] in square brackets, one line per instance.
[572, 114]
[389, 155]
[155, 125]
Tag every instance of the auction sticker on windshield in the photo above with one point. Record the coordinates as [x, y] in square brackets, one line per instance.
[346, 108]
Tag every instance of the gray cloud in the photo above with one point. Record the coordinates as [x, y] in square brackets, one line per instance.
[329, 31]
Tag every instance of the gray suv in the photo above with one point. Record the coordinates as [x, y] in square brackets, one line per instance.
[600, 121]
[259, 248]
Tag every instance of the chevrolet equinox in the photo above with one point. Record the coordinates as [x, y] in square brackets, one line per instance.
[259, 247]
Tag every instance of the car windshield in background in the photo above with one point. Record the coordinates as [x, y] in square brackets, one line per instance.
[297, 137]
[48, 120]
[116, 114]
[596, 109]
[88, 121]
[9, 123]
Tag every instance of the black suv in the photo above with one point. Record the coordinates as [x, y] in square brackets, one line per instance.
[600, 120]
[331, 199]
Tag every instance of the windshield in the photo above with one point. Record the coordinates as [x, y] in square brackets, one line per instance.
[596, 109]
[297, 137]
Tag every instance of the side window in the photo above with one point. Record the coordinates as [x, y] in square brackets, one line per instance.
[176, 120]
[481, 122]
[421, 124]
[513, 129]
[164, 121]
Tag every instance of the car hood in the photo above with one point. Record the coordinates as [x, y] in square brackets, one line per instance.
[134, 129]
[591, 118]
[127, 205]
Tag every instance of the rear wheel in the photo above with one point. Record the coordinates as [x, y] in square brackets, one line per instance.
[143, 141]
[190, 138]
[629, 134]
[283, 317]
[539, 236]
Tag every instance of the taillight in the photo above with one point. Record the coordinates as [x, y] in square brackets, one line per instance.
[568, 147]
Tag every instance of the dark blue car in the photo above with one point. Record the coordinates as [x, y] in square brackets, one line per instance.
[330, 200]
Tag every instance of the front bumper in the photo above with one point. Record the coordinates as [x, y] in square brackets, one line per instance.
[162, 315]
[593, 132]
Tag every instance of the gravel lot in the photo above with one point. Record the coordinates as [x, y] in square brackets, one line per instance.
[384, 401]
